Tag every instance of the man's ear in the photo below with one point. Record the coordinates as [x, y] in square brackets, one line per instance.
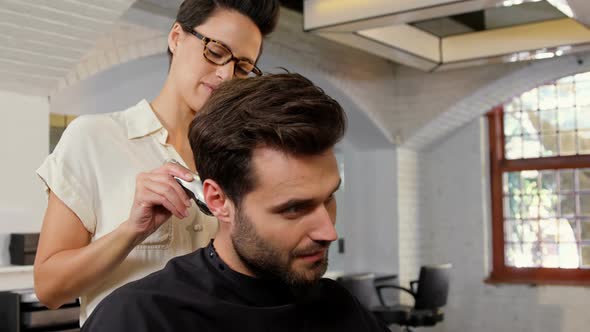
[217, 201]
[174, 37]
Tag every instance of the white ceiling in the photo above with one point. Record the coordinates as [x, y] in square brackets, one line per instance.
[42, 40]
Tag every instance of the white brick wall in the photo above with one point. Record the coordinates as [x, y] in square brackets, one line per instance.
[410, 229]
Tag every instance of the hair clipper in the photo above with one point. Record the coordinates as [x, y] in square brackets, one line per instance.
[194, 190]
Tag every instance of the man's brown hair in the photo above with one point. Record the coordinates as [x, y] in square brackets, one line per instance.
[286, 112]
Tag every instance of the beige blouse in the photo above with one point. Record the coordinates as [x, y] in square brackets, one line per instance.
[93, 170]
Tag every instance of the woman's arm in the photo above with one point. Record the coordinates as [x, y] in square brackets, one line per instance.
[68, 263]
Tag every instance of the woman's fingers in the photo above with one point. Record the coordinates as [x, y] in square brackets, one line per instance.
[171, 192]
[175, 169]
[155, 200]
[168, 180]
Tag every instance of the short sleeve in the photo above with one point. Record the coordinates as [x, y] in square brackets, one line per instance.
[68, 171]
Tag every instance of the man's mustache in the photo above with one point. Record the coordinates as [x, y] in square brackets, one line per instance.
[311, 249]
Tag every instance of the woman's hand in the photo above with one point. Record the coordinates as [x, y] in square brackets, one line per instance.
[157, 197]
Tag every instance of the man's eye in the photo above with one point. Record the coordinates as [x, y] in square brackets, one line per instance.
[294, 211]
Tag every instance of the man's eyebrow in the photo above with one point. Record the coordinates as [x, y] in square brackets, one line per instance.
[337, 187]
[292, 203]
[300, 202]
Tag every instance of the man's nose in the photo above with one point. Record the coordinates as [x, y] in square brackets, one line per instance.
[324, 229]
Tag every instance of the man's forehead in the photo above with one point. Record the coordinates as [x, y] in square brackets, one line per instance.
[278, 172]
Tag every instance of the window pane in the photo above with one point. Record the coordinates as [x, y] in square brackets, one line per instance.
[548, 205]
[513, 147]
[586, 255]
[585, 205]
[512, 183]
[584, 142]
[512, 231]
[584, 178]
[530, 122]
[585, 229]
[566, 231]
[531, 255]
[565, 95]
[568, 256]
[530, 207]
[566, 180]
[512, 207]
[529, 182]
[548, 120]
[512, 253]
[530, 231]
[584, 116]
[566, 119]
[567, 143]
[512, 124]
[530, 100]
[548, 181]
[547, 97]
[548, 229]
[549, 255]
[582, 95]
[531, 146]
[567, 204]
[519, 255]
[549, 145]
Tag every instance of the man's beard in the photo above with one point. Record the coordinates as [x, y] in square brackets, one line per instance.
[266, 261]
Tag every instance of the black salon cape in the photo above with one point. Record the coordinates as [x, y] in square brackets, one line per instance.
[198, 292]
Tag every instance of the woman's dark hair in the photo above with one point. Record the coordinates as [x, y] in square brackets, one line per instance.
[286, 112]
[264, 13]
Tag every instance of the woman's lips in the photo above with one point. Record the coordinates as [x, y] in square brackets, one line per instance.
[210, 87]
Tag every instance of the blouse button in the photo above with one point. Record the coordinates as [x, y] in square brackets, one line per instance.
[198, 227]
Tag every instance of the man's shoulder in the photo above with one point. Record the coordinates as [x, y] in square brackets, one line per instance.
[138, 300]
[178, 272]
[338, 304]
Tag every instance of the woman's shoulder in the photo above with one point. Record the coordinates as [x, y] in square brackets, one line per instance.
[99, 127]
[95, 123]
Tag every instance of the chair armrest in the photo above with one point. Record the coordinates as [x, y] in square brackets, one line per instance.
[385, 277]
[381, 287]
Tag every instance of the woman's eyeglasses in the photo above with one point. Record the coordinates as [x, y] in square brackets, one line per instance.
[219, 54]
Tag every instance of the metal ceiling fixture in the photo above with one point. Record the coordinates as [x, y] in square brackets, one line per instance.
[436, 35]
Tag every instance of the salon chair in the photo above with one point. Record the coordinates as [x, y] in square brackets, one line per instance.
[429, 292]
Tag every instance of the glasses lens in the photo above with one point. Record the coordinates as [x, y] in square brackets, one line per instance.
[244, 69]
[217, 53]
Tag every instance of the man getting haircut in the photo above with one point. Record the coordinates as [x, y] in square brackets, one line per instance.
[264, 149]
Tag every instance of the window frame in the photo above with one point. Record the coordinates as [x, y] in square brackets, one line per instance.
[501, 273]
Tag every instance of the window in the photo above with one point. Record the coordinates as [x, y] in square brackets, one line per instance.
[540, 180]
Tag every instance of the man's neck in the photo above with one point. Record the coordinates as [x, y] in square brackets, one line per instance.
[225, 250]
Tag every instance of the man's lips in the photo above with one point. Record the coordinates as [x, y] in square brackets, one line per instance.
[314, 255]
